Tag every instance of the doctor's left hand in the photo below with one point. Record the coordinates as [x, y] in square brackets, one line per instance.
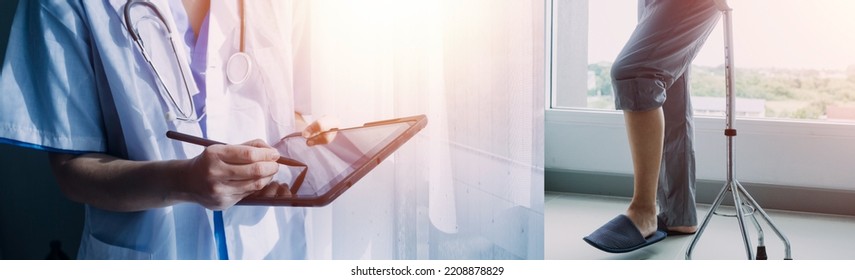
[319, 132]
[222, 175]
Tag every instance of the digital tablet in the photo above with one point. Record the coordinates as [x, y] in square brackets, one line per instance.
[328, 170]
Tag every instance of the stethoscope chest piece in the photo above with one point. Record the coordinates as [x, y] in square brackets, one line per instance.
[238, 68]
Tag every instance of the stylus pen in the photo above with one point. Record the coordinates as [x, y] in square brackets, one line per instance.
[208, 142]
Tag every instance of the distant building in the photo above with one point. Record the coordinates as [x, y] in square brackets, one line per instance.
[716, 106]
[835, 112]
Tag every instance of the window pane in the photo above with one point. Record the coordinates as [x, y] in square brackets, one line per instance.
[793, 59]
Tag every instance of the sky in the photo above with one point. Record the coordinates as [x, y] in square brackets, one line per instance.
[794, 34]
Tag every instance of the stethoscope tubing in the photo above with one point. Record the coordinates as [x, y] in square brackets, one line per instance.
[133, 32]
[239, 66]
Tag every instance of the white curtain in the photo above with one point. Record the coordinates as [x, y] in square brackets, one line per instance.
[470, 185]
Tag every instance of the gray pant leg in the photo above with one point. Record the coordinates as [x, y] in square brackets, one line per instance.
[676, 191]
[667, 38]
[651, 72]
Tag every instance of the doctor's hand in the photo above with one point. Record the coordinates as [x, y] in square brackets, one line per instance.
[222, 175]
[321, 131]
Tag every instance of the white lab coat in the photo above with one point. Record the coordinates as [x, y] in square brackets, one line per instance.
[81, 86]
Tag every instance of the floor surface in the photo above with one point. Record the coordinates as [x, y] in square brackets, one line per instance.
[569, 217]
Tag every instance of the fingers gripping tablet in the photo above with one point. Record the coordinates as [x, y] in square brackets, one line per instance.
[334, 167]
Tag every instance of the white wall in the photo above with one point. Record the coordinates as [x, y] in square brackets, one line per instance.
[801, 154]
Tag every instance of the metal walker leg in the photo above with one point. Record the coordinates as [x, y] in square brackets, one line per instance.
[742, 201]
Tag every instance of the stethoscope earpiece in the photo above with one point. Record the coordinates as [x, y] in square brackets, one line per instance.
[170, 116]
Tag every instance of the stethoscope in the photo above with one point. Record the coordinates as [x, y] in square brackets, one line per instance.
[238, 67]
[239, 64]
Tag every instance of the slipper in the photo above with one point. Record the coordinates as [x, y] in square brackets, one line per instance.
[620, 236]
[663, 227]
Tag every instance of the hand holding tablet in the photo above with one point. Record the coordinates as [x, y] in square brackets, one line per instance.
[322, 172]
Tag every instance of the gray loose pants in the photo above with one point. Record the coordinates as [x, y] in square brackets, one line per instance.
[652, 71]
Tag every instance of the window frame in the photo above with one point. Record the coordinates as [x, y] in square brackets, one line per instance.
[767, 150]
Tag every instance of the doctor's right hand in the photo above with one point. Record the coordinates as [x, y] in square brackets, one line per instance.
[222, 175]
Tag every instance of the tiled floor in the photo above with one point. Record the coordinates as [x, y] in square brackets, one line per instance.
[569, 217]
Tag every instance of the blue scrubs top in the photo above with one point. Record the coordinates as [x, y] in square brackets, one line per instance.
[73, 82]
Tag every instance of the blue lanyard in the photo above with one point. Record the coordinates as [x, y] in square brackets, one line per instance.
[220, 236]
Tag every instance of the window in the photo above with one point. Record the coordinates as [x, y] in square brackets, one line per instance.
[795, 94]
[793, 58]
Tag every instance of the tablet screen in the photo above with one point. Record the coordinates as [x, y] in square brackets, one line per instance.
[335, 166]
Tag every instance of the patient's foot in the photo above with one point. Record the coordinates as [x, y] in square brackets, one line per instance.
[684, 229]
[644, 220]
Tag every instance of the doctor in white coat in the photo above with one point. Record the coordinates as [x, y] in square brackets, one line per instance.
[75, 83]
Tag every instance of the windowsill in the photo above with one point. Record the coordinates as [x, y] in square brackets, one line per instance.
[785, 127]
[775, 152]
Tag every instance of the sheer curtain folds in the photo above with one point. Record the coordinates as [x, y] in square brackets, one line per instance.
[470, 185]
